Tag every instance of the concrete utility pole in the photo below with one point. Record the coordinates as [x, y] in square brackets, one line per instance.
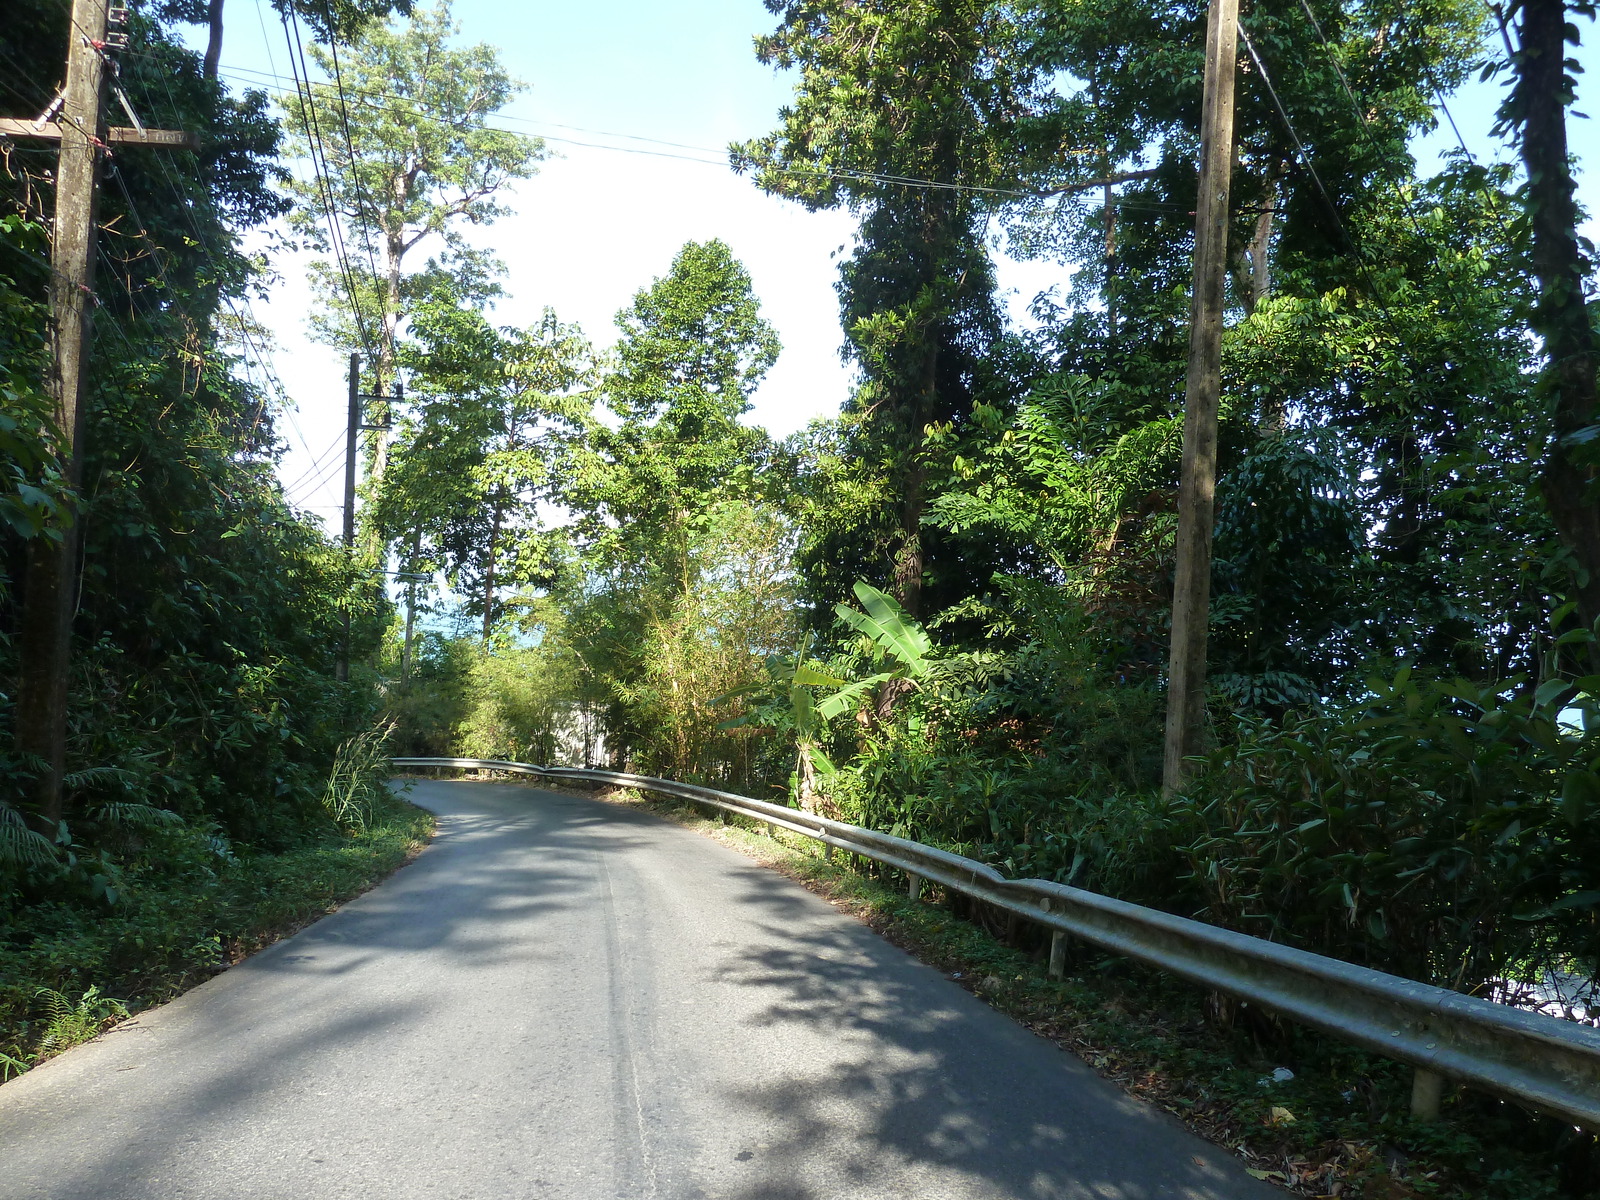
[354, 428]
[1191, 598]
[341, 668]
[49, 591]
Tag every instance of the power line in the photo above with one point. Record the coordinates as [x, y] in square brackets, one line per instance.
[322, 176]
[244, 321]
[1294, 137]
[368, 98]
[317, 464]
[320, 471]
[363, 204]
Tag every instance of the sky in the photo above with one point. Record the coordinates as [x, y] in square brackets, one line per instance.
[610, 81]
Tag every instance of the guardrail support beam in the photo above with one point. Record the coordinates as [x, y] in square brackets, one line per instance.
[1427, 1089]
[1058, 954]
[914, 886]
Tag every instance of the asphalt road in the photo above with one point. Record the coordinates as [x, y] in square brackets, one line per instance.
[562, 998]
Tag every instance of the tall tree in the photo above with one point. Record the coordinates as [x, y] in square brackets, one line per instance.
[678, 554]
[401, 127]
[694, 346]
[328, 19]
[494, 407]
[901, 114]
[1537, 111]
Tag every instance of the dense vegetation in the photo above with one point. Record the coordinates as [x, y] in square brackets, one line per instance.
[205, 713]
[943, 612]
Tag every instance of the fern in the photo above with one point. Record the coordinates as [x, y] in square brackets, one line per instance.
[73, 1022]
[122, 814]
[75, 780]
[21, 847]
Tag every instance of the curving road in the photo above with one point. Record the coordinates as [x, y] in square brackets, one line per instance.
[562, 998]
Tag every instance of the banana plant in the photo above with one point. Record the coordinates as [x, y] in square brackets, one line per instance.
[787, 703]
[789, 698]
[894, 634]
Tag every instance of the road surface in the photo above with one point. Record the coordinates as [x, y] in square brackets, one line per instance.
[566, 999]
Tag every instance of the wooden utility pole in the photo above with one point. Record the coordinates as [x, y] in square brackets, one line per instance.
[49, 591]
[1191, 597]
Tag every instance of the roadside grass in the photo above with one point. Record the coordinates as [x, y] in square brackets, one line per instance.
[1340, 1127]
[69, 969]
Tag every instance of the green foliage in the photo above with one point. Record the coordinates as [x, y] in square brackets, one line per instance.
[205, 715]
[518, 702]
[1438, 830]
[675, 576]
[32, 492]
[888, 92]
[23, 849]
[494, 412]
[70, 1023]
[195, 903]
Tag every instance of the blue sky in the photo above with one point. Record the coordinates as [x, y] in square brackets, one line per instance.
[606, 216]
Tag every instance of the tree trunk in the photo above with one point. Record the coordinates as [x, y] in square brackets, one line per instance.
[214, 40]
[1561, 317]
[807, 772]
[1108, 214]
[1261, 239]
[908, 561]
[1109, 210]
[1272, 414]
[394, 255]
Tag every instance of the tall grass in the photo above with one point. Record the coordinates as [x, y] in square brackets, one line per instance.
[357, 784]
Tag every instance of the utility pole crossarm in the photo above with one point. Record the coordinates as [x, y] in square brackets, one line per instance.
[116, 135]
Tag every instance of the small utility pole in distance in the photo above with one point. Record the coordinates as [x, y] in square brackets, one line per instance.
[354, 428]
[1191, 597]
[341, 668]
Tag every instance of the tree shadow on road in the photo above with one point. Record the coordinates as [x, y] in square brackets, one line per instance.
[928, 1083]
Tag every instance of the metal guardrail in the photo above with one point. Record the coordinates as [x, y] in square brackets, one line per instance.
[1531, 1058]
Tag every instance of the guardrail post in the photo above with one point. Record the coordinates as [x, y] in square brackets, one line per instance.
[1058, 954]
[1427, 1089]
[913, 885]
[827, 851]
